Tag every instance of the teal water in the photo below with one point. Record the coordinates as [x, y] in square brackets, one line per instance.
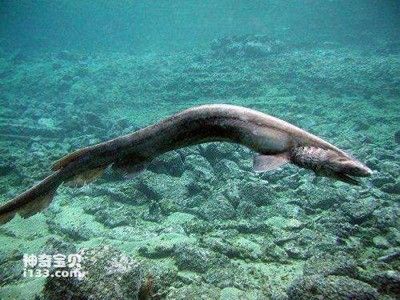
[199, 223]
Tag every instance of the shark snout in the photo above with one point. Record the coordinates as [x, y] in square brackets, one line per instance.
[367, 171]
[356, 168]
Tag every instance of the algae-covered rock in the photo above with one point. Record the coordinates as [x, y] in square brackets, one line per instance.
[331, 287]
[380, 242]
[55, 245]
[217, 207]
[339, 263]
[246, 209]
[359, 210]
[392, 188]
[75, 225]
[170, 163]
[247, 46]
[387, 217]
[200, 167]
[231, 293]
[257, 192]
[193, 258]
[215, 152]
[11, 267]
[10, 271]
[194, 291]
[226, 169]
[294, 251]
[397, 136]
[110, 274]
[388, 282]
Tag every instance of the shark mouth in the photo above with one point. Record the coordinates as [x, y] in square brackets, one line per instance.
[346, 178]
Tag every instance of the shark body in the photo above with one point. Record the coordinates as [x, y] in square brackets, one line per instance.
[274, 141]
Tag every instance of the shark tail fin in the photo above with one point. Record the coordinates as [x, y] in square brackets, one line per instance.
[40, 196]
[33, 200]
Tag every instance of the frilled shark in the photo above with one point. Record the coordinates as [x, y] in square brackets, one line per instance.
[274, 141]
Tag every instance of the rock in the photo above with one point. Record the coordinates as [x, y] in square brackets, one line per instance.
[159, 250]
[215, 152]
[11, 267]
[67, 56]
[226, 169]
[55, 245]
[393, 236]
[161, 187]
[115, 214]
[387, 217]
[170, 163]
[217, 208]
[393, 255]
[293, 224]
[231, 293]
[359, 210]
[116, 194]
[154, 214]
[294, 251]
[257, 192]
[194, 291]
[10, 271]
[192, 258]
[380, 242]
[231, 191]
[165, 275]
[31, 131]
[397, 137]
[250, 46]
[201, 168]
[224, 247]
[339, 263]
[7, 168]
[74, 225]
[273, 253]
[247, 248]
[392, 188]
[331, 287]
[246, 209]
[381, 180]
[388, 282]
[110, 274]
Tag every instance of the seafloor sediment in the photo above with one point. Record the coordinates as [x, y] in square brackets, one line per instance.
[199, 224]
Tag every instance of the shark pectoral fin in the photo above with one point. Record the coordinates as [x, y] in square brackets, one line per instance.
[130, 169]
[85, 177]
[264, 163]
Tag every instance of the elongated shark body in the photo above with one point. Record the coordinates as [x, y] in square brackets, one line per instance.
[275, 141]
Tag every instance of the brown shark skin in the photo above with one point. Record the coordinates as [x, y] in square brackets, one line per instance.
[260, 132]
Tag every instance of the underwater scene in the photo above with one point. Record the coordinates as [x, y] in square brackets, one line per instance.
[216, 149]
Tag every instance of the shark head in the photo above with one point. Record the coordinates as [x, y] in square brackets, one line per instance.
[330, 163]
